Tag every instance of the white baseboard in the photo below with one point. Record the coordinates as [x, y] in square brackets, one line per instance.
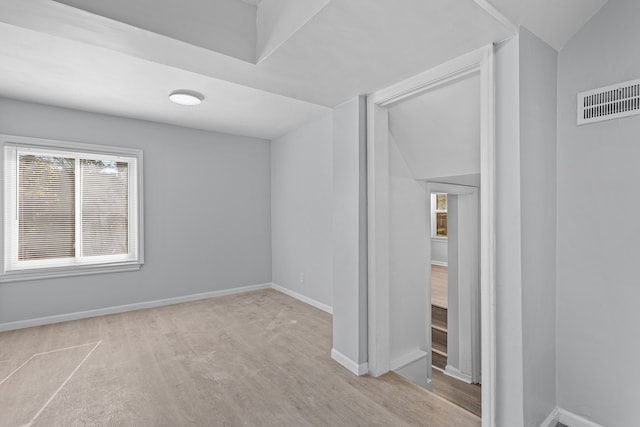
[356, 368]
[552, 419]
[407, 359]
[573, 420]
[20, 324]
[457, 374]
[440, 263]
[305, 299]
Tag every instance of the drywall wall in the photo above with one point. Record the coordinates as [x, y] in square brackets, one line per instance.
[349, 234]
[301, 210]
[538, 95]
[439, 251]
[427, 130]
[207, 213]
[508, 290]
[453, 315]
[525, 230]
[598, 227]
[408, 259]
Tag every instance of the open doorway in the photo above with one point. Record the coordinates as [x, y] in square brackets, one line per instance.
[400, 333]
[454, 297]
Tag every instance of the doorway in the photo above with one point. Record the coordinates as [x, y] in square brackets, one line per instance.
[380, 216]
[455, 294]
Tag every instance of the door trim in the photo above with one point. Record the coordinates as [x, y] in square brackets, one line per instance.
[482, 62]
[467, 296]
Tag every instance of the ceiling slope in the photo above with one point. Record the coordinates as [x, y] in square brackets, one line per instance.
[49, 70]
[350, 47]
[554, 21]
[427, 130]
[57, 54]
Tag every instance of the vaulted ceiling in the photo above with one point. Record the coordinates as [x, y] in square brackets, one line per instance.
[264, 66]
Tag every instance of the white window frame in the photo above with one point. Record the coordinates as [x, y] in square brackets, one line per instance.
[14, 270]
[434, 212]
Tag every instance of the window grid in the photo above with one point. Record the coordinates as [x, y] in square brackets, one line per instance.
[107, 229]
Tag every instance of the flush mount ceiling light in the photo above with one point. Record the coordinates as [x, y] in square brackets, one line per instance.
[186, 97]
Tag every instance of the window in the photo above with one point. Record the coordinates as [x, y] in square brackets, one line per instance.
[70, 209]
[439, 215]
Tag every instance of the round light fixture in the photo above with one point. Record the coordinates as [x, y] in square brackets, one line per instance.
[186, 97]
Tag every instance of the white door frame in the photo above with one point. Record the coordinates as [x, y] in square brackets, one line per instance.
[468, 281]
[480, 61]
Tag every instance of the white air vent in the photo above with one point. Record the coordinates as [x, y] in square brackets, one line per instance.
[611, 102]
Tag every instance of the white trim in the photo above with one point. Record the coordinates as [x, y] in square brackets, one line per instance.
[573, 420]
[356, 368]
[8, 326]
[480, 61]
[487, 239]
[552, 420]
[457, 374]
[408, 359]
[11, 271]
[28, 323]
[468, 303]
[303, 298]
[440, 263]
[68, 272]
[495, 13]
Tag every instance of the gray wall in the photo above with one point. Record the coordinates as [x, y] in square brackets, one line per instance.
[598, 226]
[509, 375]
[526, 70]
[301, 209]
[350, 230]
[408, 259]
[538, 95]
[207, 213]
[439, 249]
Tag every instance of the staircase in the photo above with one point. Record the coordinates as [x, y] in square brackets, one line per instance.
[438, 337]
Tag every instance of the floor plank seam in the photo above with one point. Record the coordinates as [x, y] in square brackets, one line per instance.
[55, 393]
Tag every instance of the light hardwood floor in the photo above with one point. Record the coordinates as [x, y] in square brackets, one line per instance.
[255, 359]
[462, 394]
[439, 277]
[467, 396]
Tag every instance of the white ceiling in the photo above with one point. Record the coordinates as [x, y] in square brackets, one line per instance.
[438, 132]
[55, 54]
[554, 21]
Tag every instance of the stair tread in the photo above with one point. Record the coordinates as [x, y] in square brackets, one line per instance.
[438, 359]
[439, 327]
[439, 316]
[439, 349]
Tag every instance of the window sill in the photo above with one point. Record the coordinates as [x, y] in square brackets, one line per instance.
[439, 238]
[50, 273]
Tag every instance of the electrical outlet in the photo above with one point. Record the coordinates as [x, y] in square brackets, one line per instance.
[301, 278]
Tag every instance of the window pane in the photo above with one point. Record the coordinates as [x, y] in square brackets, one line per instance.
[105, 207]
[441, 224]
[441, 202]
[46, 207]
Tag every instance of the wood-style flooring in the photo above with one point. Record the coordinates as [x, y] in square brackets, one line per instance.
[439, 294]
[467, 396]
[255, 359]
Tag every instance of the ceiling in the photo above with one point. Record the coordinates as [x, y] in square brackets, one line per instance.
[306, 60]
[554, 21]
